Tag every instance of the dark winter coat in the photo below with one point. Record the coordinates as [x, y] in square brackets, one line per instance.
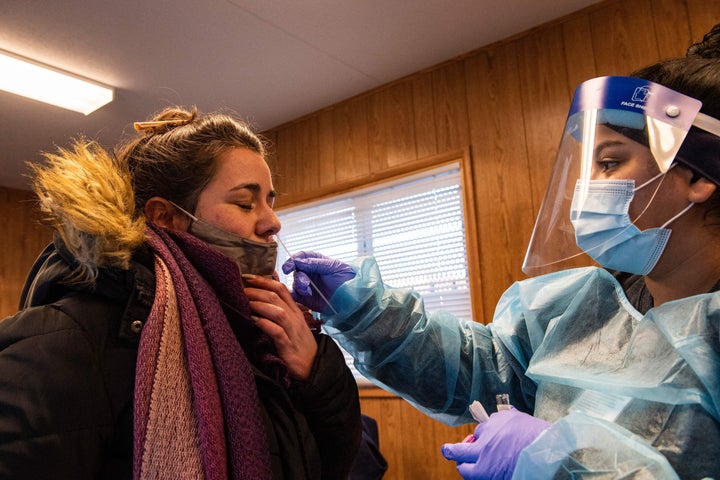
[67, 367]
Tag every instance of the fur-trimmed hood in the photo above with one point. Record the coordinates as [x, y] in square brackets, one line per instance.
[87, 197]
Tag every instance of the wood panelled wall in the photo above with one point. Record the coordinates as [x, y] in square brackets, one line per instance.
[505, 104]
[22, 240]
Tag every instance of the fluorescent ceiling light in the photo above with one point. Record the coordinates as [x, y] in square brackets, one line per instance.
[49, 85]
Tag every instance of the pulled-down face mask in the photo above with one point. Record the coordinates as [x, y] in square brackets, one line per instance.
[615, 124]
[257, 258]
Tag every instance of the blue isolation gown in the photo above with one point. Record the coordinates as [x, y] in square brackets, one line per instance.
[627, 394]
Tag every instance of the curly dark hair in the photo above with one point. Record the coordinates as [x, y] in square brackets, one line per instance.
[697, 75]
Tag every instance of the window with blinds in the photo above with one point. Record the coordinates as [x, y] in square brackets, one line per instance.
[414, 227]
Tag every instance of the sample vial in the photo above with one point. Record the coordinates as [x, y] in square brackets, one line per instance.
[503, 401]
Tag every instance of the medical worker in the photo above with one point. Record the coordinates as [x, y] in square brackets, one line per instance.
[611, 371]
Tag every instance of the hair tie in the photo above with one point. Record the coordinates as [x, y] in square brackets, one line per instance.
[159, 126]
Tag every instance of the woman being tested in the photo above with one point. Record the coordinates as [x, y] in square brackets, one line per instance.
[617, 368]
[140, 351]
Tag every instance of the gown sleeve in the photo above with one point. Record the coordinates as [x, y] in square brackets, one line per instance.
[436, 361]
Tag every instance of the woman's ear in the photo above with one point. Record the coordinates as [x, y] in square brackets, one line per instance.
[700, 190]
[164, 214]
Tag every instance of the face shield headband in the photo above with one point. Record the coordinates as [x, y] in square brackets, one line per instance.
[612, 122]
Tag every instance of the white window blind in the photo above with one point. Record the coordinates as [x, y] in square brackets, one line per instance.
[414, 227]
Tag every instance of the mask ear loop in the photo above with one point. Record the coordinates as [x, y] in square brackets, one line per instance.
[682, 212]
[676, 216]
[192, 217]
[653, 179]
[661, 176]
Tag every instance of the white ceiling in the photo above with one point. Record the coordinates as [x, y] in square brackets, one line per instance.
[268, 61]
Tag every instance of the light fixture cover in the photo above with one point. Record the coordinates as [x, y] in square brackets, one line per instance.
[46, 84]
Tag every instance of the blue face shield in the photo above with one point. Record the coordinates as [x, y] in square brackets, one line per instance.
[612, 121]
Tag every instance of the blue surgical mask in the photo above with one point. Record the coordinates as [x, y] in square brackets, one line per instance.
[604, 231]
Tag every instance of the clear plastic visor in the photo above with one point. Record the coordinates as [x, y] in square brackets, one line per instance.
[618, 128]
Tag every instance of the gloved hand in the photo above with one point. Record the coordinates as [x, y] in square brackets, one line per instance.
[497, 445]
[326, 273]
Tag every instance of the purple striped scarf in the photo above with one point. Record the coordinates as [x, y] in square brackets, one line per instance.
[197, 412]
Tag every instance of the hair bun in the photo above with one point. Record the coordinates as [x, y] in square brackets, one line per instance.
[166, 121]
[709, 47]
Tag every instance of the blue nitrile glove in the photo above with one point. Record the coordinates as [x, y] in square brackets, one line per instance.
[497, 445]
[326, 273]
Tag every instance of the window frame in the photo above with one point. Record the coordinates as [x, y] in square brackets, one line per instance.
[463, 159]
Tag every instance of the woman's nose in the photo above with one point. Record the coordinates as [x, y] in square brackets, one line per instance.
[269, 223]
